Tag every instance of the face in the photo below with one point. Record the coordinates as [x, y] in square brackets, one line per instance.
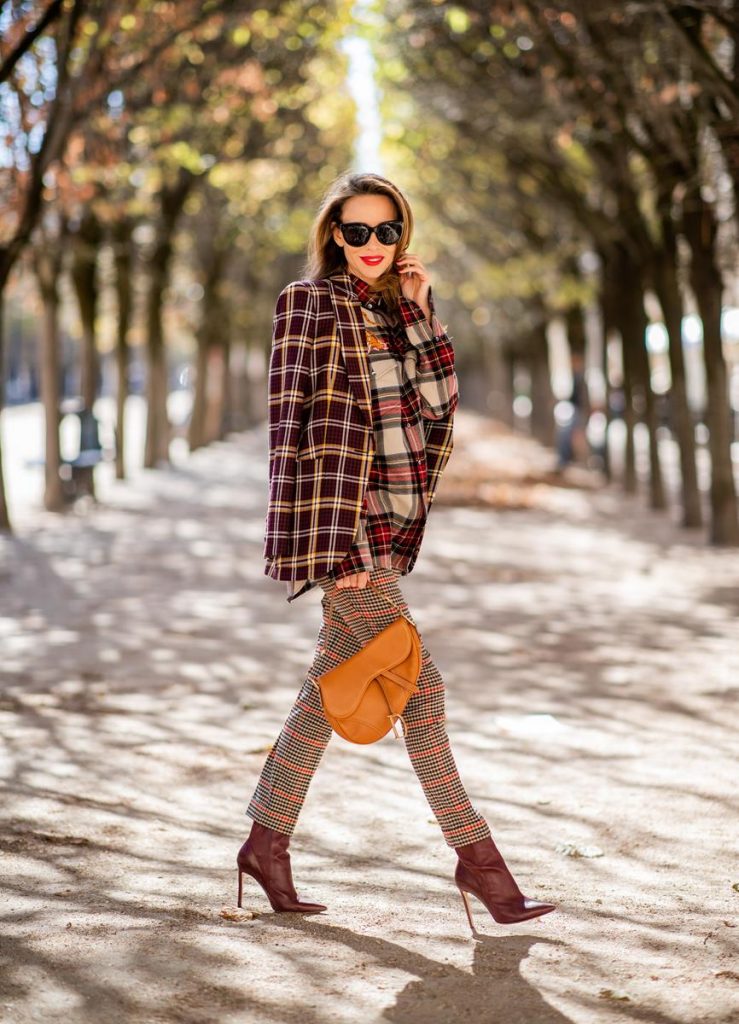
[371, 210]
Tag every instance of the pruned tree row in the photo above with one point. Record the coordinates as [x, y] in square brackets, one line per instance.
[582, 157]
[578, 163]
[148, 135]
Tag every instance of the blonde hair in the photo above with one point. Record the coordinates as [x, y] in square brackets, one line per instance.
[325, 257]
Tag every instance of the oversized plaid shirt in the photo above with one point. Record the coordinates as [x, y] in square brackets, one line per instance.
[412, 378]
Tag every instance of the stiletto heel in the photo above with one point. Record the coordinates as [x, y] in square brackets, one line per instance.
[264, 856]
[482, 872]
[466, 902]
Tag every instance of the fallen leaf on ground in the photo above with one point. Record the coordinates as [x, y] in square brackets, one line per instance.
[609, 993]
[575, 850]
[229, 914]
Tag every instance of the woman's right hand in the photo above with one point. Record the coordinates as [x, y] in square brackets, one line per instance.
[357, 580]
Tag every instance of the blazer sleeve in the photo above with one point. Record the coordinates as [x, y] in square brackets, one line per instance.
[435, 381]
[293, 333]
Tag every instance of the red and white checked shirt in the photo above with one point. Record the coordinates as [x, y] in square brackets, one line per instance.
[413, 378]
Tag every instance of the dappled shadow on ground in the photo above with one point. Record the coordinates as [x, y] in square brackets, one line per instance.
[489, 988]
[147, 664]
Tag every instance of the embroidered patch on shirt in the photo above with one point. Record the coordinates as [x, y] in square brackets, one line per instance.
[375, 342]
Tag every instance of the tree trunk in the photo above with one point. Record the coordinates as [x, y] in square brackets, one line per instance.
[542, 397]
[509, 388]
[728, 132]
[157, 424]
[209, 332]
[123, 267]
[48, 265]
[657, 498]
[5, 524]
[668, 292]
[206, 421]
[607, 397]
[496, 400]
[216, 398]
[87, 241]
[605, 297]
[630, 419]
[476, 382]
[224, 419]
[611, 295]
[217, 414]
[633, 324]
[575, 325]
[172, 200]
[574, 442]
[241, 411]
[219, 405]
[699, 225]
[196, 432]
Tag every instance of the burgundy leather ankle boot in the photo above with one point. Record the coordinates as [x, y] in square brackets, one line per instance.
[264, 856]
[482, 871]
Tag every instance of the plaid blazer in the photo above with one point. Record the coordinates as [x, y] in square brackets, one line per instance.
[320, 431]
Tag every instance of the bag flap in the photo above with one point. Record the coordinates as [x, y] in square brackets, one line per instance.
[343, 687]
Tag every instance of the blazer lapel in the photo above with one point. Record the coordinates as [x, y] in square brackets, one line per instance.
[353, 339]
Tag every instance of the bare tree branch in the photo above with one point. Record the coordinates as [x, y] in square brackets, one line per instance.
[50, 15]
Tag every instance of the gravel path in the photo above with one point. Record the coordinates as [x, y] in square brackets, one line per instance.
[591, 655]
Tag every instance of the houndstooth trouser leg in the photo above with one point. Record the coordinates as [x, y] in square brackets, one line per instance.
[359, 614]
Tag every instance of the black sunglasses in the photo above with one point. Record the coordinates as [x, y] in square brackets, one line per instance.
[357, 234]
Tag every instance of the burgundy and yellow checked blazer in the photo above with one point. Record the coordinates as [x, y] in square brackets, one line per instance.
[320, 431]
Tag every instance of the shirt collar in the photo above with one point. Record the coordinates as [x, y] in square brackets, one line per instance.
[362, 289]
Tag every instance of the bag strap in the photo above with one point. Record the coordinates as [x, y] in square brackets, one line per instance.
[370, 583]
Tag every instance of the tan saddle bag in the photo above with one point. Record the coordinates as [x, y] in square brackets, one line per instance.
[366, 694]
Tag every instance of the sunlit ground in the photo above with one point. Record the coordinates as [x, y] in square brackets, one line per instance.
[591, 661]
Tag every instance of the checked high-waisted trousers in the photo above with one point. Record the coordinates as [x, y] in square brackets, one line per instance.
[359, 614]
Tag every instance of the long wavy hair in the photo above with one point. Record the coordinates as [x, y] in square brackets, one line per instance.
[325, 257]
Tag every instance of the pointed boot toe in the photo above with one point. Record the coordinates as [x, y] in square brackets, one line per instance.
[264, 856]
[482, 872]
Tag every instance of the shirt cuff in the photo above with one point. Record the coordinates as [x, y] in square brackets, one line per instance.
[351, 563]
[422, 333]
[417, 328]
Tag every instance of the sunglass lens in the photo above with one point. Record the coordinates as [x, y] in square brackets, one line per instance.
[355, 234]
[388, 233]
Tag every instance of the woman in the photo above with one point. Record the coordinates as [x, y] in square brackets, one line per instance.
[362, 392]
